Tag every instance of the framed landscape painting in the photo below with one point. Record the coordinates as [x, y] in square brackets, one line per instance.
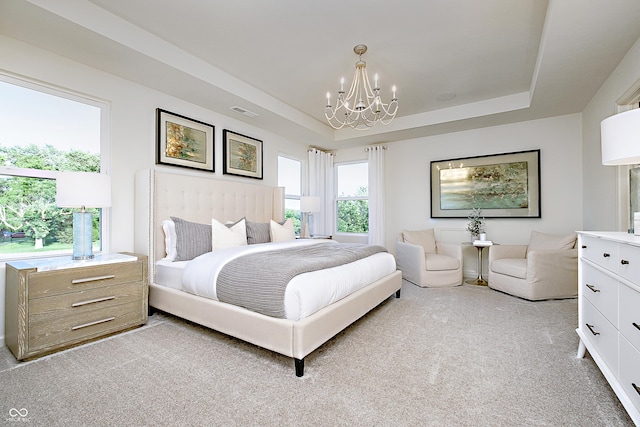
[184, 142]
[501, 185]
[242, 155]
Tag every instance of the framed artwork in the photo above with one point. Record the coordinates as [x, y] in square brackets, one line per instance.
[242, 155]
[501, 185]
[184, 142]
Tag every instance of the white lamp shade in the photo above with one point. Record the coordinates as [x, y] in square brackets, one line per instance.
[309, 204]
[78, 189]
[620, 138]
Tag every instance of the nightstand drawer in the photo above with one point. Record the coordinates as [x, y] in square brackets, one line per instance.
[80, 326]
[602, 291]
[57, 306]
[55, 282]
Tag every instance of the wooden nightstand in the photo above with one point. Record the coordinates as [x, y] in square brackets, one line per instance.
[54, 303]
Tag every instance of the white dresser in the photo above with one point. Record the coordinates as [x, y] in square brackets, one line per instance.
[609, 310]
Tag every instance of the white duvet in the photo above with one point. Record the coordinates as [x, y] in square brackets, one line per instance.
[306, 293]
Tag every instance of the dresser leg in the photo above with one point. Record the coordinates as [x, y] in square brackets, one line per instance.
[581, 350]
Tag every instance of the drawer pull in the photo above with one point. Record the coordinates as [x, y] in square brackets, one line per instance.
[624, 262]
[92, 279]
[584, 246]
[91, 301]
[593, 288]
[636, 325]
[636, 387]
[591, 329]
[606, 255]
[108, 319]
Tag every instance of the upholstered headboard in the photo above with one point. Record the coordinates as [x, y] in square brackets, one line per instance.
[160, 195]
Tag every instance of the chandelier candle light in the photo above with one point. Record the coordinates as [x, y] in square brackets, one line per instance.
[362, 106]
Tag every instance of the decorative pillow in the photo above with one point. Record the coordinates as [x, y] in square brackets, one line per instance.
[170, 239]
[192, 239]
[549, 242]
[425, 238]
[229, 235]
[282, 232]
[258, 232]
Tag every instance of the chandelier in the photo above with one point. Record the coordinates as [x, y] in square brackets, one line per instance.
[361, 107]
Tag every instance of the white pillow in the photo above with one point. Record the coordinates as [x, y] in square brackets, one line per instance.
[282, 232]
[228, 236]
[170, 239]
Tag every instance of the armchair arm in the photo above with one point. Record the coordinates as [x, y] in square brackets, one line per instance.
[451, 249]
[553, 266]
[411, 260]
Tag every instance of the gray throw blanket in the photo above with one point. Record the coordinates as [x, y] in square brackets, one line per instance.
[258, 281]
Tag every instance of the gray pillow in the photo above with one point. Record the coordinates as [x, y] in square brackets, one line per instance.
[258, 232]
[192, 239]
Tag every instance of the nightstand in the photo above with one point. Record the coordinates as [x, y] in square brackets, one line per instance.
[54, 303]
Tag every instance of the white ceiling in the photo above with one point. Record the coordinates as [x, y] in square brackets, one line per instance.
[505, 60]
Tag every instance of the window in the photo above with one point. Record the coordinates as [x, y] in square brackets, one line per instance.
[352, 198]
[289, 177]
[44, 131]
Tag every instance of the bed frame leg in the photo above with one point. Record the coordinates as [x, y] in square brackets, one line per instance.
[299, 367]
[398, 293]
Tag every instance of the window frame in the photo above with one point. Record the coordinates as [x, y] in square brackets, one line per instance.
[104, 107]
[300, 177]
[338, 199]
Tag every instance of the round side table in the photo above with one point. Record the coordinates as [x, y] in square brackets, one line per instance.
[479, 245]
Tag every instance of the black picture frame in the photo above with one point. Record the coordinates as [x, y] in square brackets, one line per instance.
[242, 155]
[505, 185]
[184, 142]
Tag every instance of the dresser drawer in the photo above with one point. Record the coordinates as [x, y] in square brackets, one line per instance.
[629, 262]
[602, 334]
[54, 307]
[55, 282]
[77, 327]
[601, 290]
[601, 252]
[630, 371]
[630, 315]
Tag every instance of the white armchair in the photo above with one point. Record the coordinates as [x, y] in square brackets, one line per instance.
[547, 268]
[428, 263]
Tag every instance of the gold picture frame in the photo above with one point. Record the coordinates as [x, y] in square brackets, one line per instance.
[242, 155]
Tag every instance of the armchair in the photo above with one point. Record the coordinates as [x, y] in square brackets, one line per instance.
[546, 268]
[427, 263]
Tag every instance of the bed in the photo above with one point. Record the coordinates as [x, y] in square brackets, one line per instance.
[160, 195]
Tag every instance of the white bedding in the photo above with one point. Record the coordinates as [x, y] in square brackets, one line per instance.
[306, 293]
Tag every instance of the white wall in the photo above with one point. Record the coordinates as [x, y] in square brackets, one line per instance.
[559, 141]
[601, 204]
[132, 130]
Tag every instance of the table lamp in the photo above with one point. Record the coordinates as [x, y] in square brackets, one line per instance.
[620, 141]
[83, 190]
[308, 205]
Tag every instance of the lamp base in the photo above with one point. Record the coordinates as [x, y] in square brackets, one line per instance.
[82, 235]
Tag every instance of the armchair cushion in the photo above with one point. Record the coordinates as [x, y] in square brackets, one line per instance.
[437, 262]
[514, 267]
[424, 238]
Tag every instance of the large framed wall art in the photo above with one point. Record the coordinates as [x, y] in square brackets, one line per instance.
[501, 185]
[242, 155]
[184, 142]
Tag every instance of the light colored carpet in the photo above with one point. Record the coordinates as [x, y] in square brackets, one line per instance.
[464, 356]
